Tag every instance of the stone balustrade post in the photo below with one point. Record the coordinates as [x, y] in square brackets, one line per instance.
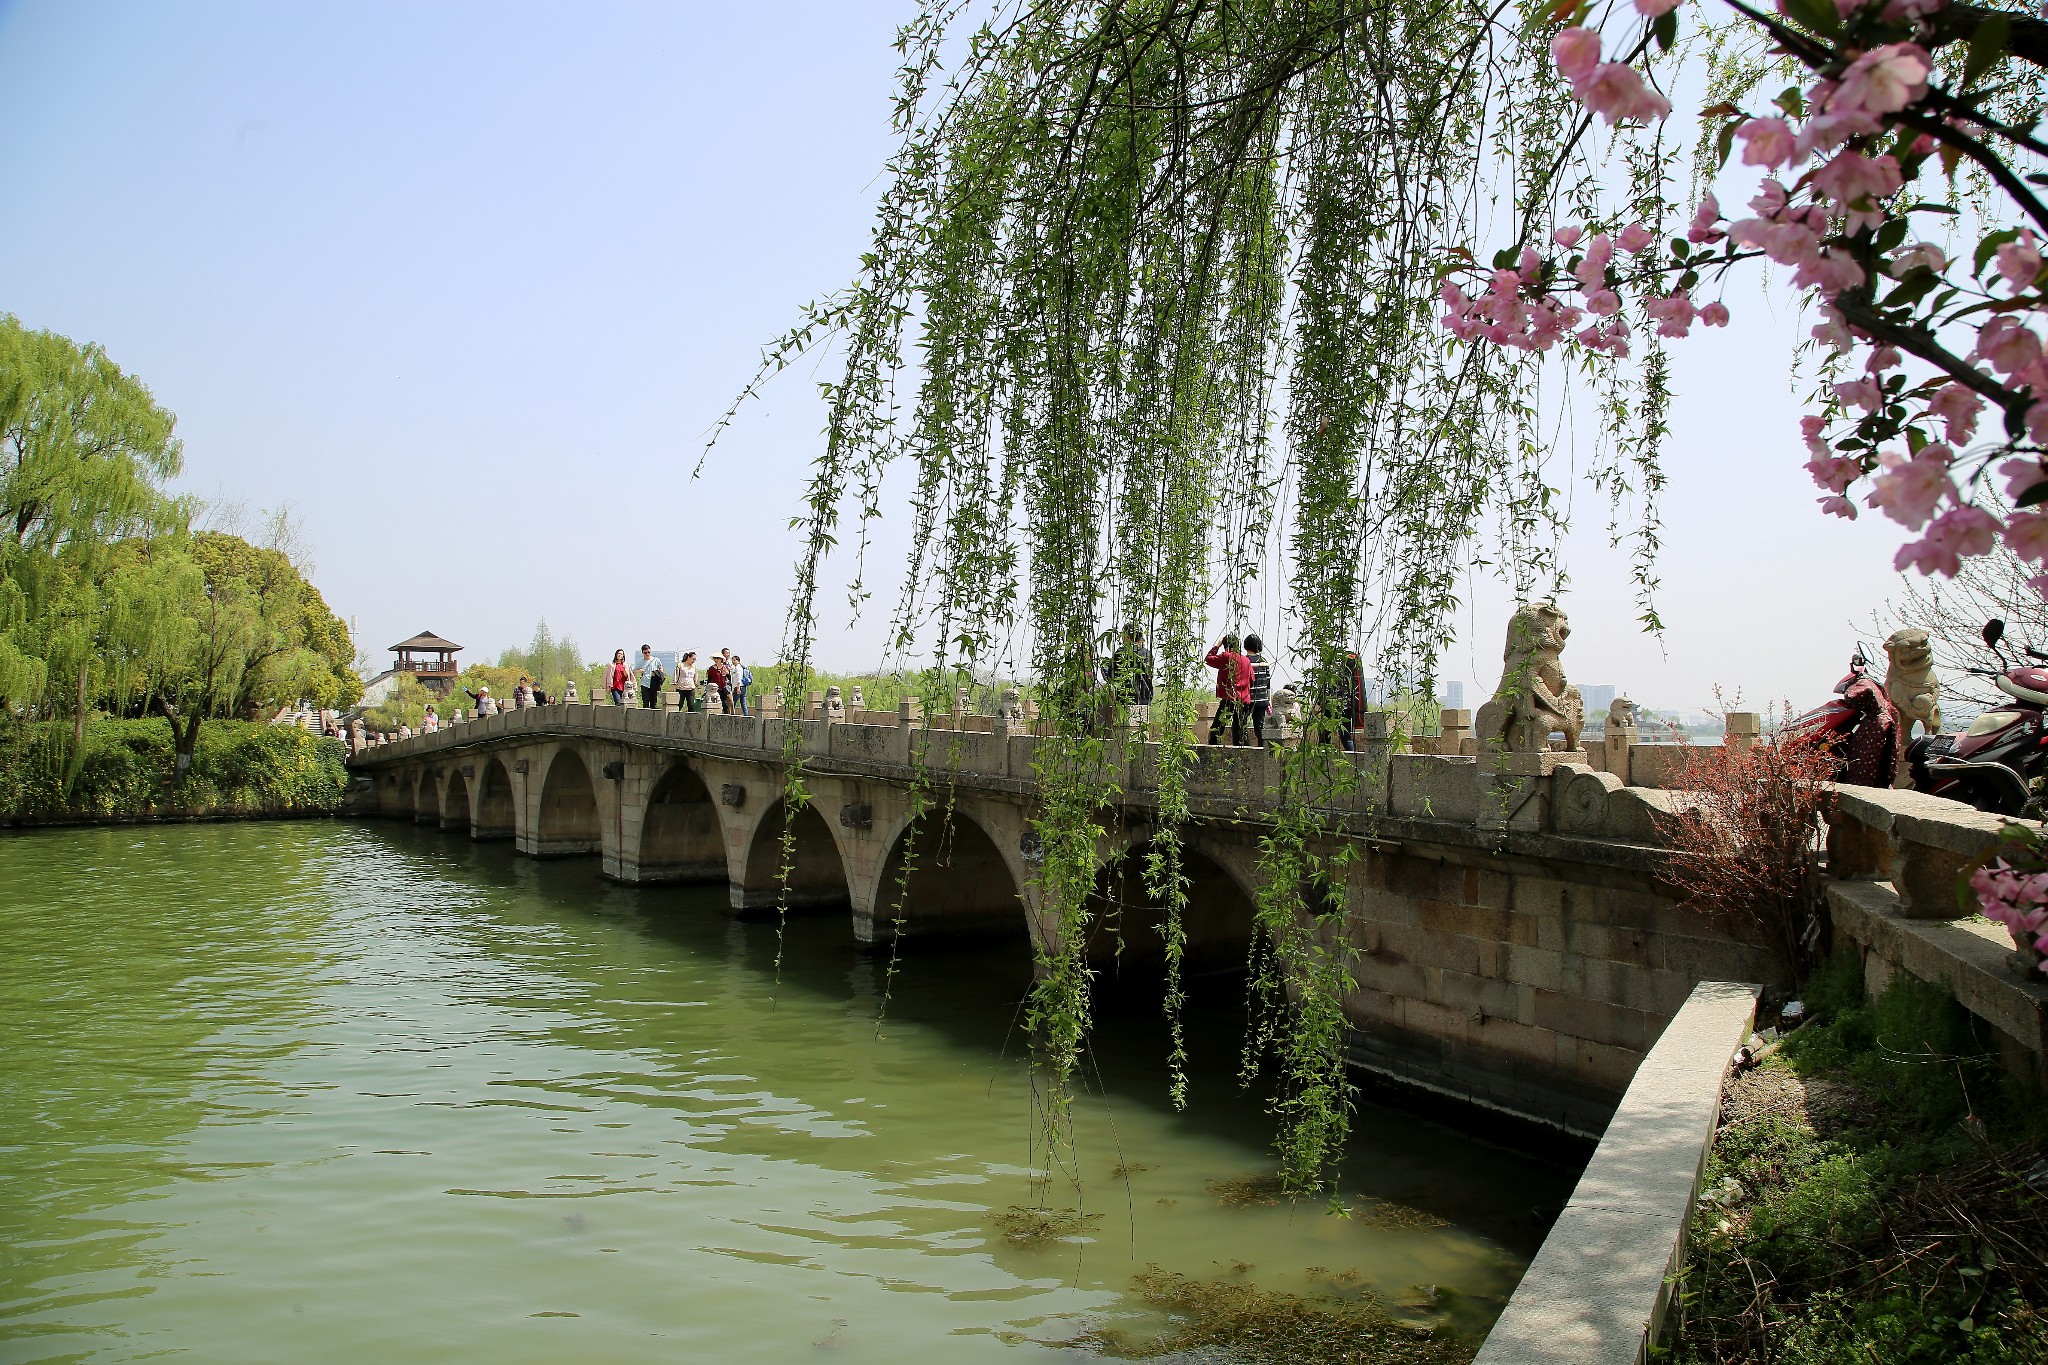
[909, 712]
[1456, 737]
[1740, 730]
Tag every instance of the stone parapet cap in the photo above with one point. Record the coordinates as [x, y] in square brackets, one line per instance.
[1597, 1290]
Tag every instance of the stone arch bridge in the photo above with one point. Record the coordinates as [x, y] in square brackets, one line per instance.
[1515, 947]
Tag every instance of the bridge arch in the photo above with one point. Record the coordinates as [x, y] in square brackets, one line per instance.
[497, 812]
[817, 871]
[566, 820]
[426, 802]
[1128, 922]
[960, 881]
[455, 800]
[681, 836]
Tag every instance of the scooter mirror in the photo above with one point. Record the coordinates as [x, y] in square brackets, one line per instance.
[1994, 631]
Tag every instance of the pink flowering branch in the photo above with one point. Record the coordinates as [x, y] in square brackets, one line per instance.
[1876, 116]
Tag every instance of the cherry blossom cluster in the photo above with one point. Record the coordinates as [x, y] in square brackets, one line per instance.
[2018, 900]
[1838, 160]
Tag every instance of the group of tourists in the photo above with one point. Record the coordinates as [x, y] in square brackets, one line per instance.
[1244, 687]
[725, 677]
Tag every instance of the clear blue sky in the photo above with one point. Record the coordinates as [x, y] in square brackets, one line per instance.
[467, 283]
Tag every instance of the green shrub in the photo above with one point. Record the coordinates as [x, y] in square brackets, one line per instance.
[128, 768]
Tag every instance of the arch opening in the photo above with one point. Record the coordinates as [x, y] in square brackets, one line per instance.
[680, 836]
[959, 884]
[817, 876]
[426, 806]
[495, 811]
[455, 801]
[1127, 934]
[567, 822]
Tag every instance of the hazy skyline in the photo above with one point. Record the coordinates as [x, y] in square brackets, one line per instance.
[466, 285]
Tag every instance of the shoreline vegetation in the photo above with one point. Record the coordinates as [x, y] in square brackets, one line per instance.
[127, 771]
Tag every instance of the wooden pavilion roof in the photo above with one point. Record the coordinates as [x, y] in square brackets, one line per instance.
[426, 639]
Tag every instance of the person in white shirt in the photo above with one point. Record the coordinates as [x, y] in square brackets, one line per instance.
[648, 672]
[686, 679]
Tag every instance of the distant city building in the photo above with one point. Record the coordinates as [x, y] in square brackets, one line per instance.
[1452, 694]
[1598, 697]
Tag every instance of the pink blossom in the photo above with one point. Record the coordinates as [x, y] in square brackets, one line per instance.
[1650, 9]
[1706, 221]
[1834, 472]
[2026, 533]
[1603, 303]
[1824, 132]
[1883, 80]
[1770, 199]
[1452, 296]
[2021, 475]
[1592, 269]
[1529, 263]
[1617, 92]
[1917, 255]
[1789, 243]
[1672, 314]
[1957, 407]
[1908, 490]
[1634, 238]
[1860, 393]
[1836, 505]
[1576, 52]
[2037, 423]
[1832, 330]
[2019, 260]
[1766, 142]
[2008, 345]
[1714, 314]
[1831, 271]
[1851, 176]
[1567, 237]
[1957, 534]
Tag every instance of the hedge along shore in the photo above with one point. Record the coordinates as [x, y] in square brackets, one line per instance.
[126, 774]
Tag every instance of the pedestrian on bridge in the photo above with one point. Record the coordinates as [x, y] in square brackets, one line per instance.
[648, 671]
[717, 678]
[742, 679]
[1233, 689]
[686, 680]
[1262, 686]
[618, 677]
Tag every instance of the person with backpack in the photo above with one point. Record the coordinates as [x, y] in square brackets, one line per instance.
[1233, 689]
[1261, 693]
[648, 671]
[743, 678]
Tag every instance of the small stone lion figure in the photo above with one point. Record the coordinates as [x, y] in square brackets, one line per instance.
[1011, 708]
[1910, 681]
[1621, 715]
[1283, 719]
[859, 703]
[835, 704]
[1533, 698]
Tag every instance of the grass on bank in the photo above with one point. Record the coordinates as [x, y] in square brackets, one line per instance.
[1878, 1192]
[126, 768]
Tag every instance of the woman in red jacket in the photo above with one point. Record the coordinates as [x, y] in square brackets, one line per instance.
[619, 678]
[1233, 689]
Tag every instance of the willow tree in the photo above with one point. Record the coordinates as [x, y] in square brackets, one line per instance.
[1151, 308]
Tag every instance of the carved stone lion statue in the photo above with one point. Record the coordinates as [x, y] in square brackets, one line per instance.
[859, 703]
[1910, 681]
[1621, 715]
[1283, 718]
[1011, 707]
[1533, 698]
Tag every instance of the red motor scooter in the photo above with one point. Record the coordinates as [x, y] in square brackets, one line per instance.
[1995, 763]
[1858, 726]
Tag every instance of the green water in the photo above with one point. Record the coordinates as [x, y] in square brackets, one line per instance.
[324, 1092]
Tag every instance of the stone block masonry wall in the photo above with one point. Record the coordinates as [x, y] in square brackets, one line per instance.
[1532, 989]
